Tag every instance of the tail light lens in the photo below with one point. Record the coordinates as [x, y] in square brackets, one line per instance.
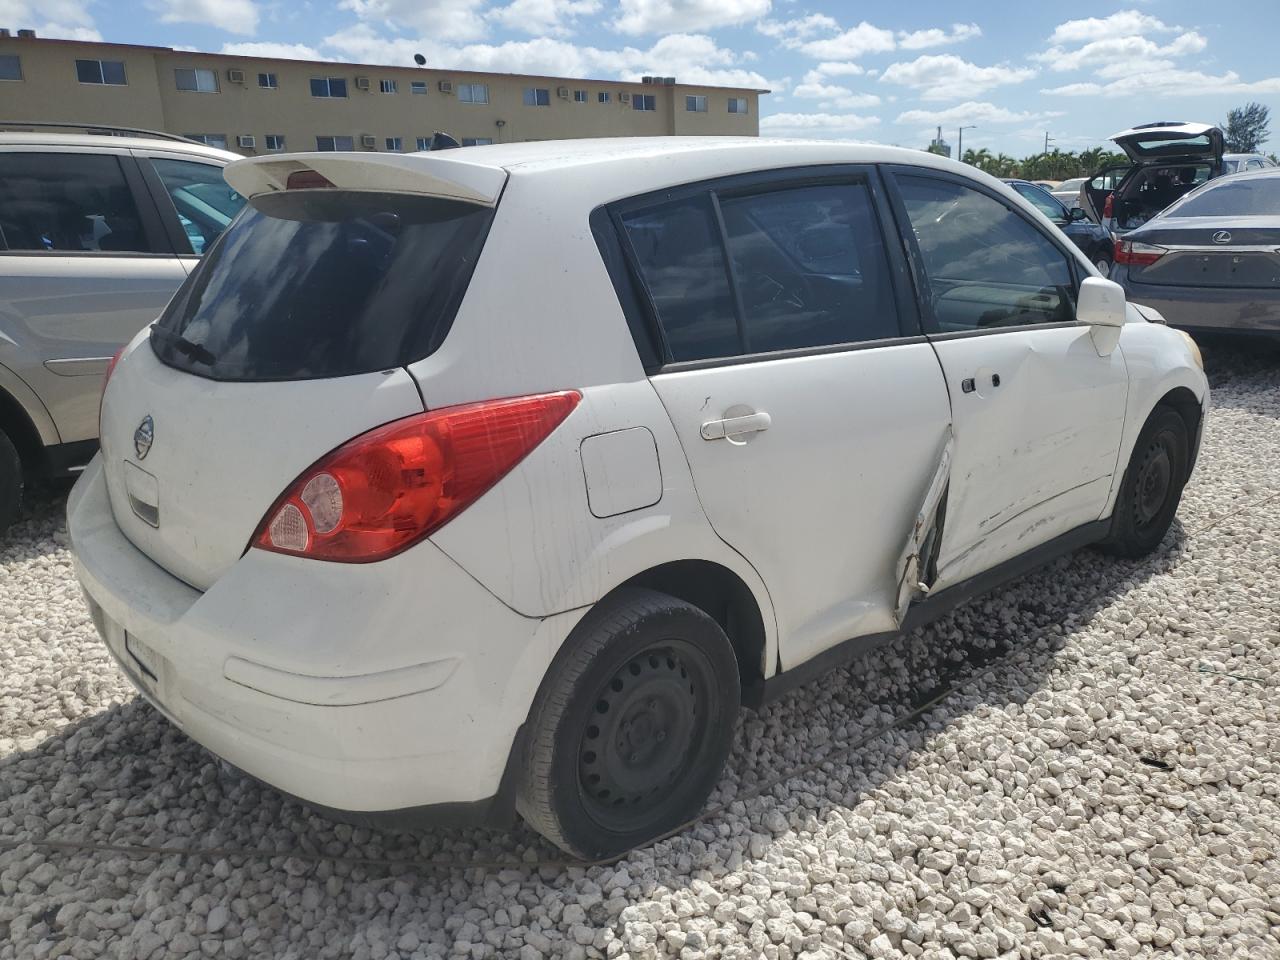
[1138, 254]
[1108, 206]
[389, 488]
[111, 368]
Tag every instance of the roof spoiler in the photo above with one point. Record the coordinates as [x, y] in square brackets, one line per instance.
[450, 177]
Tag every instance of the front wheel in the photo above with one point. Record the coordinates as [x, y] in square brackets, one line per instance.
[10, 482]
[632, 726]
[1152, 486]
[1103, 266]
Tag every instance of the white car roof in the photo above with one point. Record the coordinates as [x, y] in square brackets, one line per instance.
[92, 140]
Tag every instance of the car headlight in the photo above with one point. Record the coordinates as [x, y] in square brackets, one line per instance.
[1194, 348]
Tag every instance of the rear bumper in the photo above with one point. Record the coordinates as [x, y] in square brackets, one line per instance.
[380, 692]
[1207, 309]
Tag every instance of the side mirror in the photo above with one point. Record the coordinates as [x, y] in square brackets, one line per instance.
[1078, 214]
[1101, 305]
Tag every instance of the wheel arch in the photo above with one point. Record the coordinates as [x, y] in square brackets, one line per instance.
[21, 430]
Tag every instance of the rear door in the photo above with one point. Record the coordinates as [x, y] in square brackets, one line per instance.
[1094, 193]
[196, 203]
[1037, 412]
[84, 265]
[812, 413]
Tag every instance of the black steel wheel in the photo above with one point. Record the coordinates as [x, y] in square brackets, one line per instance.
[1152, 486]
[632, 725]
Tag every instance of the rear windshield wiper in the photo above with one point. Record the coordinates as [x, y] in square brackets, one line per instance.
[194, 352]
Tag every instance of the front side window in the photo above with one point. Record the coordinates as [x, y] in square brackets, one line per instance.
[109, 72]
[205, 203]
[478, 93]
[66, 202]
[335, 143]
[10, 66]
[737, 104]
[275, 141]
[386, 86]
[695, 104]
[537, 97]
[395, 143]
[267, 81]
[196, 80]
[987, 267]
[1046, 204]
[328, 87]
[218, 140]
[644, 101]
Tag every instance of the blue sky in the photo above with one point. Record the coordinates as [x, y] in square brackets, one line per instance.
[888, 72]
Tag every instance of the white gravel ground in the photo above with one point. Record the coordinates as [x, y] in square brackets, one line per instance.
[1108, 785]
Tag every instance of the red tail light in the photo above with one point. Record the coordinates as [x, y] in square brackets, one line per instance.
[1138, 254]
[1108, 207]
[307, 180]
[391, 487]
[111, 368]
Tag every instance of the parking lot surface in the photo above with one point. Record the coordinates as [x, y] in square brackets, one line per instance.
[1103, 779]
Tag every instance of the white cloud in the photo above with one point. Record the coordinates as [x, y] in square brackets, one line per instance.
[1113, 51]
[233, 16]
[1169, 83]
[835, 97]
[850, 44]
[814, 124]
[837, 68]
[1124, 23]
[980, 113]
[64, 19]
[442, 19]
[935, 37]
[947, 77]
[281, 51]
[543, 17]
[670, 16]
[791, 31]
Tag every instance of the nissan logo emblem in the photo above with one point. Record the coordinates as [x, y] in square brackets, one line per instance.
[144, 436]
[1222, 236]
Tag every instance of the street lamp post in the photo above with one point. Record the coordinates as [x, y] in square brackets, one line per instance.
[960, 141]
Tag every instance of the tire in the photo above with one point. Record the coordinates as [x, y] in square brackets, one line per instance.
[1103, 266]
[10, 482]
[631, 728]
[1152, 486]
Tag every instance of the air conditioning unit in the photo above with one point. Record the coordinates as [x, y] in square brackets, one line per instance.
[624, 98]
[646, 79]
[562, 93]
[668, 81]
[446, 86]
[368, 141]
[362, 83]
[246, 140]
[235, 76]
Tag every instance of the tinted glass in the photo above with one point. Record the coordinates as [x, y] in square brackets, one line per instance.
[10, 67]
[1046, 204]
[810, 267]
[677, 247]
[337, 87]
[62, 201]
[322, 283]
[1247, 197]
[205, 204]
[987, 266]
[88, 71]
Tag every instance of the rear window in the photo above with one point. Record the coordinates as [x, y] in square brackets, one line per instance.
[1171, 144]
[1247, 197]
[323, 283]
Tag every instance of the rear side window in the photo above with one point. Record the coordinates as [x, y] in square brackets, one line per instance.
[794, 268]
[987, 267]
[64, 202]
[205, 204]
[324, 283]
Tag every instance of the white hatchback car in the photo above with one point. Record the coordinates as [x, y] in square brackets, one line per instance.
[451, 486]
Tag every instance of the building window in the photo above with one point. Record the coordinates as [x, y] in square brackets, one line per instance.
[579, 96]
[424, 143]
[604, 96]
[537, 97]
[335, 143]
[267, 81]
[218, 140]
[695, 104]
[418, 86]
[476, 141]
[110, 72]
[275, 141]
[386, 86]
[644, 101]
[328, 87]
[10, 67]
[196, 81]
[737, 104]
[395, 143]
[475, 92]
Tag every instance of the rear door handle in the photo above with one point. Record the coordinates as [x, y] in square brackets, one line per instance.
[735, 426]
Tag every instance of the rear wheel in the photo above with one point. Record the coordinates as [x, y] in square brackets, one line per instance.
[632, 726]
[1103, 265]
[10, 482]
[1152, 486]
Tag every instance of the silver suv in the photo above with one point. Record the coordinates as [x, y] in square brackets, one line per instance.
[96, 233]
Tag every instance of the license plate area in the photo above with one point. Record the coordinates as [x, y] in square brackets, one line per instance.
[145, 660]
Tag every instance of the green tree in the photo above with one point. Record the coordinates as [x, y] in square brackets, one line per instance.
[1247, 128]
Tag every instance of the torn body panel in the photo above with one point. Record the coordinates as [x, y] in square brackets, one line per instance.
[917, 566]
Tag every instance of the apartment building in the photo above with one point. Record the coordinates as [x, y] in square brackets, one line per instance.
[258, 105]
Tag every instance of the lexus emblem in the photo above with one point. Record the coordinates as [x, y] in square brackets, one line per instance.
[144, 436]
[1222, 236]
